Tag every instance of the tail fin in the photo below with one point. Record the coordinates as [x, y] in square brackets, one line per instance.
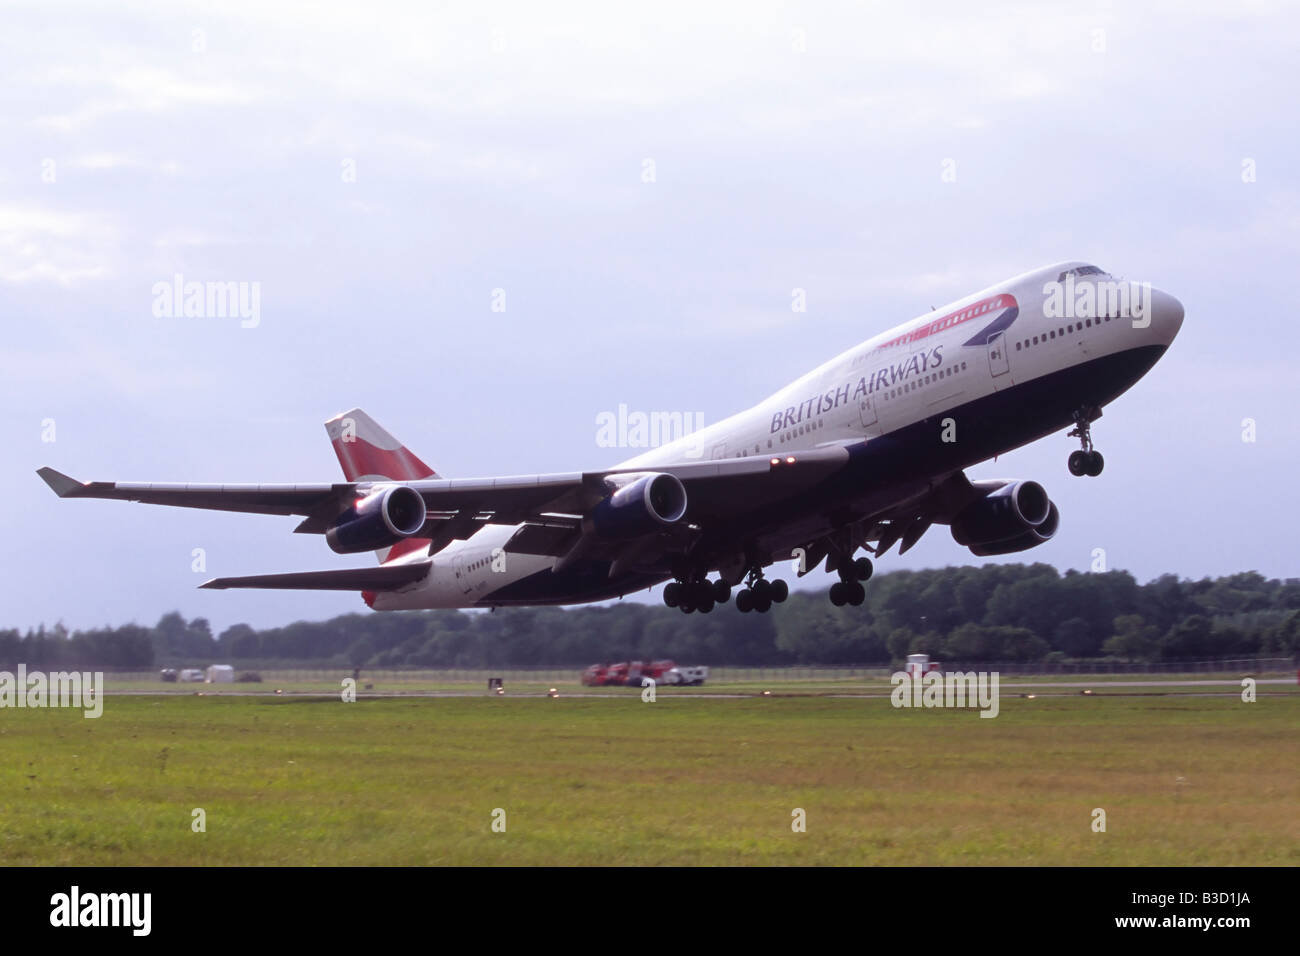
[369, 453]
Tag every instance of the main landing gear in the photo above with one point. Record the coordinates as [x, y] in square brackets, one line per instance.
[848, 589]
[761, 593]
[696, 594]
[700, 594]
[1086, 461]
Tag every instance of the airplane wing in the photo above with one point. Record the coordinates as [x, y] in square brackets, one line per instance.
[715, 489]
[903, 524]
[253, 499]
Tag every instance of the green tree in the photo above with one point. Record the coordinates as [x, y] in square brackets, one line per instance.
[1134, 639]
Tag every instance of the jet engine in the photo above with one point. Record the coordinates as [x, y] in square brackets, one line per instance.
[1015, 517]
[379, 520]
[642, 504]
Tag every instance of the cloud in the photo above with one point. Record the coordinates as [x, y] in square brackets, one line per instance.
[44, 244]
[143, 90]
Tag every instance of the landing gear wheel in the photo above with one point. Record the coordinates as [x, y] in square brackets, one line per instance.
[744, 600]
[672, 594]
[705, 605]
[839, 597]
[761, 593]
[721, 591]
[857, 593]
[863, 568]
[1087, 460]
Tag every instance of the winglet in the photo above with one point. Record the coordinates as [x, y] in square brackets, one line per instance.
[62, 485]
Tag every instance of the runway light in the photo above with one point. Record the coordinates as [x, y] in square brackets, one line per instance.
[279, 691]
[790, 460]
[776, 461]
[767, 693]
[500, 691]
[1086, 693]
[552, 693]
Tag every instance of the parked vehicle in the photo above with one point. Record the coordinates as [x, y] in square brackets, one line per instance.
[686, 676]
[632, 673]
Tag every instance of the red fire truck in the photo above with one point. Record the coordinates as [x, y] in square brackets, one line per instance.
[630, 673]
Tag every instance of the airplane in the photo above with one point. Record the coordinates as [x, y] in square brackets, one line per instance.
[865, 451]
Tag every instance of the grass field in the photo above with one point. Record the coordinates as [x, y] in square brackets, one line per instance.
[300, 780]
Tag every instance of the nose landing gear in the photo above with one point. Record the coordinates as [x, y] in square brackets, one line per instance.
[1086, 461]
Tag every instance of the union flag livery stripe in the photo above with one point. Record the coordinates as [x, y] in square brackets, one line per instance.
[993, 305]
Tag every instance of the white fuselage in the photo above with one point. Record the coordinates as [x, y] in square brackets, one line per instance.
[908, 374]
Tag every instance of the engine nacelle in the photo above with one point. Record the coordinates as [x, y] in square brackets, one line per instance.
[642, 505]
[379, 520]
[1022, 542]
[1014, 517]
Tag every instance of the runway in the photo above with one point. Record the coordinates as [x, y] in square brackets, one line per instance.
[1008, 690]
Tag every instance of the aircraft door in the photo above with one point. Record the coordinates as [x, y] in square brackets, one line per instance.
[999, 361]
[462, 577]
[867, 411]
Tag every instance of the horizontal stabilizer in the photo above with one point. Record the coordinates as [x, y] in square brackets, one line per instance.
[63, 486]
[384, 578]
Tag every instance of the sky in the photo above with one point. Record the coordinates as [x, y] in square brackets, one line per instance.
[488, 224]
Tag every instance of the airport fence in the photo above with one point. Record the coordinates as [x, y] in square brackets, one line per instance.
[1244, 666]
[1233, 666]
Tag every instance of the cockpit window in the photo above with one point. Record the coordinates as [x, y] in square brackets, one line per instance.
[1082, 271]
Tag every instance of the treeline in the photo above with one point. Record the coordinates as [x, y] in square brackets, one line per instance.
[1010, 612]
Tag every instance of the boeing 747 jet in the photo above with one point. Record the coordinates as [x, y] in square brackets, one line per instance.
[864, 452]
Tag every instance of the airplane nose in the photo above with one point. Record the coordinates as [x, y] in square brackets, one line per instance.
[1166, 316]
